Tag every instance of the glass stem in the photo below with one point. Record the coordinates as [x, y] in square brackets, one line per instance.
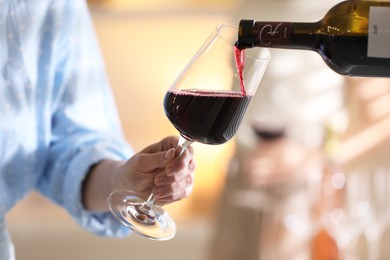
[146, 207]
[148, 204]
[183, 143]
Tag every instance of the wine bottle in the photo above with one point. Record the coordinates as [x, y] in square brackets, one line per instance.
[353, 38]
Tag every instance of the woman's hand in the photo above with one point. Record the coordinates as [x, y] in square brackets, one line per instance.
[158, 168]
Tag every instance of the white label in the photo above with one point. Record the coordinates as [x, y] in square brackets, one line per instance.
[379, 32]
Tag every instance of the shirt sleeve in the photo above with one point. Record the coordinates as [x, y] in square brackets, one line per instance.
[85, 127]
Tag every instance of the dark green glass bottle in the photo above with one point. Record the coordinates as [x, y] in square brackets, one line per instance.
[353, 38]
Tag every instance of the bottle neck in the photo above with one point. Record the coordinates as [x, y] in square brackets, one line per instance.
[305, 36]
[278, 35]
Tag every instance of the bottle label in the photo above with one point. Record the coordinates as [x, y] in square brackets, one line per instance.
[379, 32]
[273, 33]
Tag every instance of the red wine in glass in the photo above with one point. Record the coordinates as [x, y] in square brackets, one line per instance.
[206, 116]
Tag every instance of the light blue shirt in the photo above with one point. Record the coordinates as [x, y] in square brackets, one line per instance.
[57, 112]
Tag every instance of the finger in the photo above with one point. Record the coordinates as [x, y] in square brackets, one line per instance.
[175, 197]
[163, 145]
[189, 151]
[163, 179]
[181, 162]
[180, 149]
[175, 191]
[149, 162]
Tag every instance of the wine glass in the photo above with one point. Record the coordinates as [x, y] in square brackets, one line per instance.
[206, 104]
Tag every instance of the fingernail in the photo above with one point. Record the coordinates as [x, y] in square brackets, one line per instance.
[169, 154]
[191, 166]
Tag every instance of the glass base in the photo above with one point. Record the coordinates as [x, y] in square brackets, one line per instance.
[152, 222]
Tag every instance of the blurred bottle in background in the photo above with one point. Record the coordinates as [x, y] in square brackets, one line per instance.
[330, 232]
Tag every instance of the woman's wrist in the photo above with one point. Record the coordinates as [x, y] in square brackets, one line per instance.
[102, 179]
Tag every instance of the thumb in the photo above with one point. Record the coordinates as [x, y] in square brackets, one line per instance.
[149, 162]
[169, 154]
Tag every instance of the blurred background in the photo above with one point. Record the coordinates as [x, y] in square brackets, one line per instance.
[287, 197]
